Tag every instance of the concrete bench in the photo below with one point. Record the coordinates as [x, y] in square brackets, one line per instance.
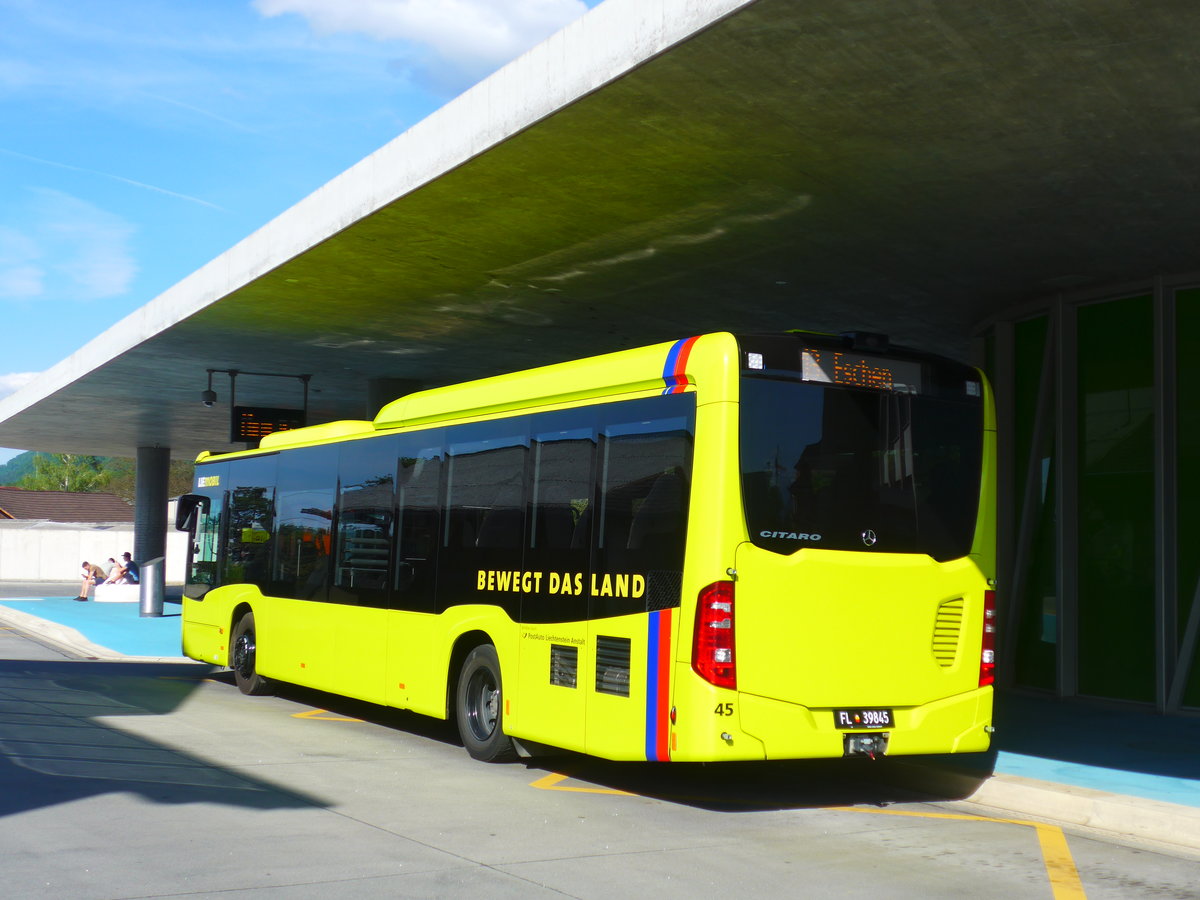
[118, 593]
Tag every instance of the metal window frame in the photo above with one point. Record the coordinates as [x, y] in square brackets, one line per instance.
[1175, 654]
[1067, 495]
[1022, 541]
[1184, 659]
[1166, 481]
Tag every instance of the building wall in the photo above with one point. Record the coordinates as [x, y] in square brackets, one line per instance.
[52, 551]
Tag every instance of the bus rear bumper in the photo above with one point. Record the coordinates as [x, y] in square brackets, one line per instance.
[958, 724]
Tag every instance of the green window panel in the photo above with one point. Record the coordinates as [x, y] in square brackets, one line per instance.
[1116, 500]
[1187, 336]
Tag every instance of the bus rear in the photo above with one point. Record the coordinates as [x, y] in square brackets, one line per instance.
[857, 617]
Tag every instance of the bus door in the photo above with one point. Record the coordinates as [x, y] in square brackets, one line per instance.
[553, 657]
[200, 514]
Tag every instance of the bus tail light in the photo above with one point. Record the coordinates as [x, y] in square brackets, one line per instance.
[712, 639]
[987, 656]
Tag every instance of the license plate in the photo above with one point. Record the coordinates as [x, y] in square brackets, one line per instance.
[863, 718]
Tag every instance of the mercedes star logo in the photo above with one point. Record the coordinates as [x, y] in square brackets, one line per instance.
[869, 538]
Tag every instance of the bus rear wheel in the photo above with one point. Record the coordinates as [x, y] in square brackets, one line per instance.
[242, 651]
[479, 707]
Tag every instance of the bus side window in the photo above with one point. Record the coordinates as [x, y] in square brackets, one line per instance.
[418, 485]
[645, 480]
[305, 485]
[485, 509]
[561, 499]
[363, 549]
[248, 537]
[562, 490]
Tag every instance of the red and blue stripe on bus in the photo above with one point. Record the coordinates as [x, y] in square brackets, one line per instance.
[658, 684]
[675, 370]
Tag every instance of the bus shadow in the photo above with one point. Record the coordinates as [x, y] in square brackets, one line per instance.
[439, 730]
[769, 785]
[56, 743]
[726, 787]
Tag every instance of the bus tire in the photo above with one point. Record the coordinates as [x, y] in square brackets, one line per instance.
[479, 707]
[242, 652]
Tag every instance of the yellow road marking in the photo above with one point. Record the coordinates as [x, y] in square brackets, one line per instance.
[1056, 855]
[322, 715]
[552, 782]
[1060, 866]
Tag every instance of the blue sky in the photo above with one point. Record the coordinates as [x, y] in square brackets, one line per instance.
[141, 138]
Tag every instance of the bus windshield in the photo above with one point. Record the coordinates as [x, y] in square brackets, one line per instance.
[847, 468]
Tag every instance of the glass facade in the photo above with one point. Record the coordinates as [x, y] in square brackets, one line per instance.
[1115, 466]
[1104, 424]
[1037, 601]
[1187, 415]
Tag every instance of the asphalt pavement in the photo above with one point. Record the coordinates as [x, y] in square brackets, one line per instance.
[1121, 770]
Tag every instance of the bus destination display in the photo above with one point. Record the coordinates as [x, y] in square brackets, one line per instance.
[857, 370]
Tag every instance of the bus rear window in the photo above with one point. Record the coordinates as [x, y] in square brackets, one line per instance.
[845, 468]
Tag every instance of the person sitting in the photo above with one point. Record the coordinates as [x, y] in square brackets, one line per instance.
[114, 571]
[130, 571]
[92, 576]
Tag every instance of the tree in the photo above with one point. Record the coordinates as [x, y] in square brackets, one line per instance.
[92, 474]
[121, 472]
[66, 472]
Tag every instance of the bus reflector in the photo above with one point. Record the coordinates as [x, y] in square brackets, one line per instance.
[987, 657]
[712, 640]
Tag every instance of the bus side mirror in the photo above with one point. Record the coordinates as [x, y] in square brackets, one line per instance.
[186, 509]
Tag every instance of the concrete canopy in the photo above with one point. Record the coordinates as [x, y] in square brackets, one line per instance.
[668, 167]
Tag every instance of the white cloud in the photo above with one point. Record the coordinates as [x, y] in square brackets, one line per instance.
[58, 247]
[14, 380]
[471, 33]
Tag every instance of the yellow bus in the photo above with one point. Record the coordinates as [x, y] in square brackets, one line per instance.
[718, 548]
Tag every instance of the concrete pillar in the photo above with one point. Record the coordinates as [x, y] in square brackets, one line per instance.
[150, 503]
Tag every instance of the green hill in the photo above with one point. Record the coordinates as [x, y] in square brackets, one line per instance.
[17, 468]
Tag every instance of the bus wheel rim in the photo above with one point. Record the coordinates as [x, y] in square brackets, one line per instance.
[243, 654]
[484, 705]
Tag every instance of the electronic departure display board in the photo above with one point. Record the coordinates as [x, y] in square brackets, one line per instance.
[253, 423]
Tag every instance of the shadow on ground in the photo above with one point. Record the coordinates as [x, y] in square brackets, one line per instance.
[1105, 735]
[54, 748]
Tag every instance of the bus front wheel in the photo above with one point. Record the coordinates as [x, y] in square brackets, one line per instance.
[479, 707]
[242, 652]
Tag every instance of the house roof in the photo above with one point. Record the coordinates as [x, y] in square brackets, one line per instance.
[63, 506]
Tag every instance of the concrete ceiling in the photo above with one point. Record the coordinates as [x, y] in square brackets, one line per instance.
[664, 168]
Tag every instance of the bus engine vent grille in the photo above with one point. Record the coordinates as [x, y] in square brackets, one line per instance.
[612, 665]
[564, 665]
[946, 630]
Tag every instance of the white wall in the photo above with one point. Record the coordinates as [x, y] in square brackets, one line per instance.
[52, 551]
